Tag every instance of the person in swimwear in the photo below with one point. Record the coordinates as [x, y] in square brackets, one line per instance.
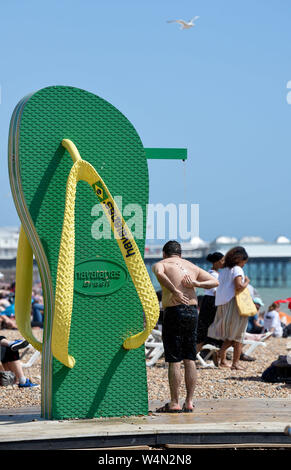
[178, 279]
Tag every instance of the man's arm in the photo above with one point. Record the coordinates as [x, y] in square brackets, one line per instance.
[159, 270]
[203, 280]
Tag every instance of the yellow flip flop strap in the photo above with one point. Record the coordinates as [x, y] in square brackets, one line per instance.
[83, 170]
[24, 272]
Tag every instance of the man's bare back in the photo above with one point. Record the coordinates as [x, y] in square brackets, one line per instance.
[178, 279]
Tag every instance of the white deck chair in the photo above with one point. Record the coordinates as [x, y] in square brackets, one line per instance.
[33, 358]
[203, 361]
[154, 348]
[253, 345]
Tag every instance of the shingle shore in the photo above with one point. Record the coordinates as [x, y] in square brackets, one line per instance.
[211, 383]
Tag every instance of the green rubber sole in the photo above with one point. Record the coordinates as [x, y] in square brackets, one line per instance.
[107, 380]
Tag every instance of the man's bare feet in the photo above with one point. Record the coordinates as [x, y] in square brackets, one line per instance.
[237, 367]
[188, 407]
[224, 364]
[167, 409]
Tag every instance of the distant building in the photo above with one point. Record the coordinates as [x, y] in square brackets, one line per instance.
[282, 239]
[255, 246]
[8, 242]
[221, 240]
[197, 242]
[8, 251]
[196, 247]
[251, 239]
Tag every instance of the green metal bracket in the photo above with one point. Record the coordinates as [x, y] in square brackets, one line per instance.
[166, 154]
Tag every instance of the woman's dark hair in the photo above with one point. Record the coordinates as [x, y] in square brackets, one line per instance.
[235, 256]
[213, 257]
[273, 306]
[172, 248]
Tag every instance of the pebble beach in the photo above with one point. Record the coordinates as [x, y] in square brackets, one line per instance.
[218, 383]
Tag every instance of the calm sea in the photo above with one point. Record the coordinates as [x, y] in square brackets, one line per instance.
[270, 294]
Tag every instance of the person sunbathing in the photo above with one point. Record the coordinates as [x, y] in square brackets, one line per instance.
[9, 358]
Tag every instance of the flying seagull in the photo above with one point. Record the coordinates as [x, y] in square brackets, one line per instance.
[185, 24]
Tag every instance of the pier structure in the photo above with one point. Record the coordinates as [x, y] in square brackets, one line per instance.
[269, 264]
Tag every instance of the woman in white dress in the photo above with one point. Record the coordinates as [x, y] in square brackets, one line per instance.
[208, 309]
[229, 326]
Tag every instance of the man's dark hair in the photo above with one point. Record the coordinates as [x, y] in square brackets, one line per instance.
[172, 248]
[234, 256]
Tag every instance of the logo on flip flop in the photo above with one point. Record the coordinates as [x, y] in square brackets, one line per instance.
[99, 277]
[100, 191]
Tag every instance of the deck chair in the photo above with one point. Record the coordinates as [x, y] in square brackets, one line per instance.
[203, 361]
[255, 344]
[154, 348]
[252, 346]
[33, 358]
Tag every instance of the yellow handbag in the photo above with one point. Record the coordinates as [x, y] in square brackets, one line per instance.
[245, 304]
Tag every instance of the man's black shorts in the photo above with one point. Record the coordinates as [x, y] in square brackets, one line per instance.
[179, 332]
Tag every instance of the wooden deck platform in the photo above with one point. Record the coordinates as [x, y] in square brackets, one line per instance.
[214, 423]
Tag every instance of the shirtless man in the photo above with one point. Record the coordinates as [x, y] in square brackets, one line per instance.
[178, 279]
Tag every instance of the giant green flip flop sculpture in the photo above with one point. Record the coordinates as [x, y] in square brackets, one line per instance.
[68, 150]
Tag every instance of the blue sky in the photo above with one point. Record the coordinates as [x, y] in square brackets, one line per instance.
[219, 89]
